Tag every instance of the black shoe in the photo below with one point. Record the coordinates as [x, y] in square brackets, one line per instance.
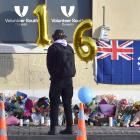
[66, 131]
[51, 132]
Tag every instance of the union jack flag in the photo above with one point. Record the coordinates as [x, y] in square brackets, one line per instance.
[115, 50]
[114, 63]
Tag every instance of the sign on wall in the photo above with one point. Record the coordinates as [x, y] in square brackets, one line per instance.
[66, 14]
[19, 25]
[17, 22]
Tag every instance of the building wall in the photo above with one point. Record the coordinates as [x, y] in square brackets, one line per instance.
[28, 72]
[122, 16]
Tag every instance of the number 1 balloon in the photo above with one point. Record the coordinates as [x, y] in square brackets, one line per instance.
[41, 12]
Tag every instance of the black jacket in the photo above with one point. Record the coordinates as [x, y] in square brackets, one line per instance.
[60, 61]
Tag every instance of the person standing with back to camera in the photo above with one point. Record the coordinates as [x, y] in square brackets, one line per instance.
[61, 67]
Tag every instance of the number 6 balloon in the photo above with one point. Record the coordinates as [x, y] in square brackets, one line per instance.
[79, 40]
[41, 12]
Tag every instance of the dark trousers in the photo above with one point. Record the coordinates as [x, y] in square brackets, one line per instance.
[63, 88]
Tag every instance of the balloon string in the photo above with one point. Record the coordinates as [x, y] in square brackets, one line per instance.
[86, 66]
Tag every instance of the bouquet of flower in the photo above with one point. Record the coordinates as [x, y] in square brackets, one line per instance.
[109, 98]
[125, 111]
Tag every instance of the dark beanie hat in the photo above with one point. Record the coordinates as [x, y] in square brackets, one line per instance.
[59, 34]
